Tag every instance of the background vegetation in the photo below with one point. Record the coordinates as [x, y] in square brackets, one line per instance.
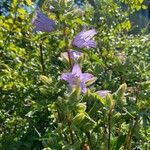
[36, 110]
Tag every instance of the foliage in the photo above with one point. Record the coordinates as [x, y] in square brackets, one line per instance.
[37, 111]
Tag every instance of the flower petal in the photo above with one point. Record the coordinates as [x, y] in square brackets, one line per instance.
[79, 43]
[83, 87]
[67, 77]
[42, 22]
[76, 70]
[83, 39]
[86, 76]
[89, 34]
[73, 54]
[91, 43]
[103, 93]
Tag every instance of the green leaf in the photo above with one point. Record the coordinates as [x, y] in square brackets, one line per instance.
[95, 96]
[45, 80]
[118, 96]
[109, 100]
[144, 7]
[119, 142]
[91, 81]
[77, 120]
[121, 90]
[81, 107]
[29, 2]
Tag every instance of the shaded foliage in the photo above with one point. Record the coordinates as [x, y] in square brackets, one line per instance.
[36, 109]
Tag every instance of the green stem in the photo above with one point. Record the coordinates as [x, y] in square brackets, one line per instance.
[69, 121]
[127, 144]
[66, 46]
[41, 57]
[109, 127]
[70, 62]
[89, 139]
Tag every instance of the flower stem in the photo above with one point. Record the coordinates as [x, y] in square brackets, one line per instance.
[127, 144]
[109, 127]
[70, 62]
[69, 121]
[89, 140]
[66, 46]
[41, 58]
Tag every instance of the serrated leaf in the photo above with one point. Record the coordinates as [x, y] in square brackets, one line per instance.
[121, 90]
[109, 100]
[118, 96]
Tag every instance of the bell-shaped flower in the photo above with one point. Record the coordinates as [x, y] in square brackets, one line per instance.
[83, 39]
[103, 93]
[77, 79]
[74, 55]
[42, 22]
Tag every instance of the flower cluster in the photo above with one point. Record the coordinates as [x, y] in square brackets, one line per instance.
[75, 78]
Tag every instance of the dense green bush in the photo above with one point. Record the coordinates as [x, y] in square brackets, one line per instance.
[37, 111]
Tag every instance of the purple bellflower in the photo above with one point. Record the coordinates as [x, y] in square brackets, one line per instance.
[103, 93]
[74, 55]
[83, 39]
[42, 22]
[77, 79]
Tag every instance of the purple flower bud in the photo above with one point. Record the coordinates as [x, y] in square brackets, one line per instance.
[83, 39]
[74, 55]
[42, 22]
[103, 93]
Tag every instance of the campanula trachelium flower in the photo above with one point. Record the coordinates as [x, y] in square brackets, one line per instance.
[77, 79]
[42, 22]
[83, 39]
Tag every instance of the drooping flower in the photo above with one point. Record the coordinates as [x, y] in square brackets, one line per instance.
[103, 93]
[42, 22]
[77, 79]
[74, 55]
[83, 39]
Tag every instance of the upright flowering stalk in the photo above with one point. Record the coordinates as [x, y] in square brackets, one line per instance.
[42, 22]
[83, 39]
[77, 79]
